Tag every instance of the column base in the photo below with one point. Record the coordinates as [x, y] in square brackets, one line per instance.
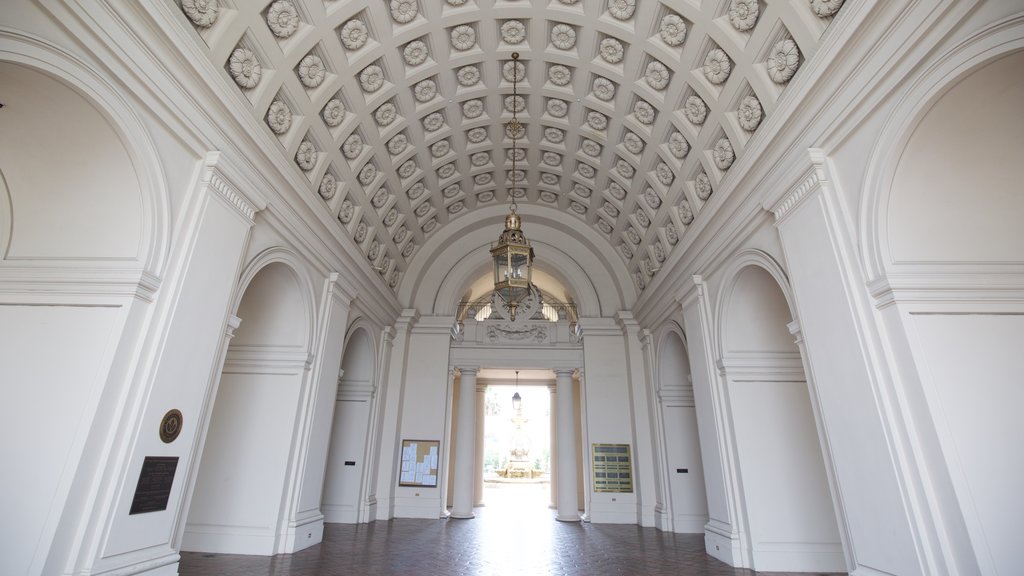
[567, 517]
[462, 516]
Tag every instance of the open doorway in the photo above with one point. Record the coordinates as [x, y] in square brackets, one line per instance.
[517, 447]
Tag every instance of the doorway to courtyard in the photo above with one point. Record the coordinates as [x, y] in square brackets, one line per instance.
[517, 471]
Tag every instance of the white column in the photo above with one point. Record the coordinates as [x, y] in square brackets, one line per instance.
[553, 477]
[465, 446]
[567, 498]
[478, 465]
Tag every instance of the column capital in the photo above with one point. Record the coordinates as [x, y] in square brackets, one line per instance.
[564, 371]
[467, 370]
[231, 183]
[233, 323]
[646, 338]
[340, 289]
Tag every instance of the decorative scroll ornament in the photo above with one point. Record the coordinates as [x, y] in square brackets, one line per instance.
[468, 75]
[425, 90]
[670, 231]
[717, 66]
[673, 30]
[305, 156]
[633, 143]
[328, 186]
[657, 75]
[312, 71]
[685, 214]
[202, 13]
[750, 113]
[664, 174]
[347, 211]
[644, 112]
[826, 8]
[279, 117]
[415, 53]
[743, 14]
[557, 107]
[367, 174]
[783, 61]
[513, 32]
[723, 154]
[624, 168]
[597, 121]
[403, 11]
[513, 71]
[371, 78]
[354, 34]
[696, 110]
[563, 36]
[678, 145]
[622, 9]
[604, 89]
[652, 198]
[472, 108]
[385, 114]
[703, 186]
[398, 144]
[611, 50]
[559, 75]
[352, 147]
[283, 18]
[535, 332]
[463, 37]
[245, 68]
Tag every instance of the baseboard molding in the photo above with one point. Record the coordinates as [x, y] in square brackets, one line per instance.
[723, 548]
[798, 557]
[689, 524]
[303, 534]
[223, 539]
[340, 514]
[417, 508]
[608, 513]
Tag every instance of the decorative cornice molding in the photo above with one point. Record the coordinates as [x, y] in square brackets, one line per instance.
[73, 284]
[216, 177]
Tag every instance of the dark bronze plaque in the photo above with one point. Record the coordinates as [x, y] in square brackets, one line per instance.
[154, 487]
[170, 426]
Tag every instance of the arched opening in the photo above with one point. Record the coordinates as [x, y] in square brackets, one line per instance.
[347, 468]
[686, 497]
[238, 505]
[954, 213]
[790, 520]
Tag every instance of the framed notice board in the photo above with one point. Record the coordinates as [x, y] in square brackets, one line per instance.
[419, 463]
[613, 468]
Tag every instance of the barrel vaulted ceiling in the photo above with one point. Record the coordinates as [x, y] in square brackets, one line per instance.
[394, 110]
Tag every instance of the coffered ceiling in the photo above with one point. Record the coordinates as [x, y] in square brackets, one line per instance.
[394, 110]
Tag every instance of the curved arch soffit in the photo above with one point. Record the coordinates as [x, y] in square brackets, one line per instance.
[362, 328]
[730, 279]
[28, 50]
[584, 249]
[665, 333]
[294, 263]
[982, 48]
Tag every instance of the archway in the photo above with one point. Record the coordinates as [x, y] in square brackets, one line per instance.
[347, 465]
[686, 498]
[238, 505]
[784, 492]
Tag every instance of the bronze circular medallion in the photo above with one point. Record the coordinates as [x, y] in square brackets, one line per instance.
[170, 426]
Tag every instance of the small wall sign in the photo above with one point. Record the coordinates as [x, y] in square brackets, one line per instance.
[170, 426]
[154, 487]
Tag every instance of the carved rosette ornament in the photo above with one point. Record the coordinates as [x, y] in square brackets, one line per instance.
[352, 147]
[403, 11]
[513, 71]
[407, 251]
[279, 117]
[354, 34]
[581, 191]
[597, 121]
[433, 122]
[664, 174]
[347, 211]
[826, 8]
[621, 9]
[422, 209]
[479, 159]
[717, 66]
[685, 213]
[678, 145]
[468, 75]
[659, 252]
[673, 30]
[624, 168]
[515, 103]
[385, 114]
[472, 108]
[456, 3]
[440, 148]
[783, 61]
[585, 170]
[398, 144]
[617, 191]
[590, 148]
[283, 18]
[333, 112]
[610, 209]
[657, 75]
[563, 36]
[603, 89]
[415, 53]
[632, 235]
[429, 226]
[559, 75]
[633, 143]
[703, 186]
[557, 108]
[202, 13]
[367, 174]
[750, 113]
[644, 112]
[604, 226]
[312, 71]
[513, 32]
[626, 250]
[391, 217]
[380, 198]
[652, 198]
[577, 207]
[328, 186]
[305, 156]
[483, 179]
[551, 158]
[695, 109]
[407, 169]
[476, 135]
[642, 218]
[416, 190]
[549, 178]
[515, 131]
[611, 50]
[743, 14]
[245, 68]
[723, 154]
[463, 37]
[670, 231]
[361, 230]
[554, 135]
[425, 90]
[371, 78]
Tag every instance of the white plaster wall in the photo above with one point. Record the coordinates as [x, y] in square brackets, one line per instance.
[689, 499]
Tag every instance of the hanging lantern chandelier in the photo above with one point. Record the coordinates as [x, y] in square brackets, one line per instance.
[512, 254]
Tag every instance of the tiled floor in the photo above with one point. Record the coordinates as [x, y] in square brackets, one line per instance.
[523, 540]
